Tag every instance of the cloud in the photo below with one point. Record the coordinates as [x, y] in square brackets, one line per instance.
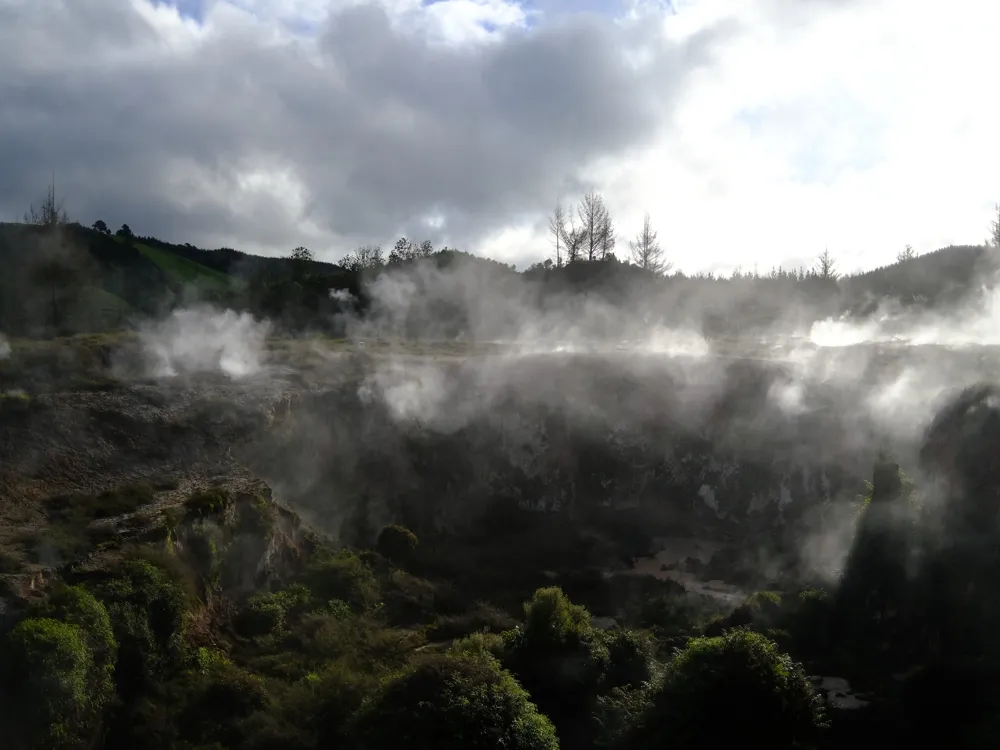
[235, 131]
[756, 132]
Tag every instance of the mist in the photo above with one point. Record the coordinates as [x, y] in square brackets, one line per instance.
[486, 383]
[204, 339]
[4, 347]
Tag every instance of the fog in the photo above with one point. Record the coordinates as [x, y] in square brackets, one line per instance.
[785, 422]
[203, 339]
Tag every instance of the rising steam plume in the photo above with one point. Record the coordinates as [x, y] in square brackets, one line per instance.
[810, 400]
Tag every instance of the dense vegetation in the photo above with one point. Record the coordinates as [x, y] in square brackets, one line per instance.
[224, 622]
[160, 646]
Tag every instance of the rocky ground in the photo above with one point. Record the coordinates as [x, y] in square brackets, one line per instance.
[432, 436]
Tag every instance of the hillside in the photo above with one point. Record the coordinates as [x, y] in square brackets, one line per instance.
[71, 279]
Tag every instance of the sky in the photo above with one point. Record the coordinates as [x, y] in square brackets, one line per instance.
[756, 133]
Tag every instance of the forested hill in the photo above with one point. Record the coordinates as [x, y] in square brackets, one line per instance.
[68, 278]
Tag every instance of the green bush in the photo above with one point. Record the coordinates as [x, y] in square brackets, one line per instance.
[398, 544]
[147, 611]
[457, 701]
[77, 606]
[631, 659]
[408, 600]
[257, 517]
[267, 613]
[617, 713]
[344, 576]
[47, 683]
[734, 690]
[206, 503]
[215, 697]
[559, 658]
[482, 617]
[117, 502]
[482, 643]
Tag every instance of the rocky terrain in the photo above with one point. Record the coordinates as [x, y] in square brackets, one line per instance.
[754, 448]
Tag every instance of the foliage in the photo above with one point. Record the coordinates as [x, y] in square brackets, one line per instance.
[397, 543]
[455, 701]
[631, 659]
[78, 606]
[208, 502]
[482, 617]
[147, 612]
[559, 659]
[259, 517]
[267, 613]
[47, 682]
[343, 575]
[768, 700]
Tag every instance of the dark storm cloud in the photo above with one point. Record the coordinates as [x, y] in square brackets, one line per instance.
[382, 126]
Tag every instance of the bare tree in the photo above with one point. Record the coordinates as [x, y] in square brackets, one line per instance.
[51, 212]
[557, 229]
[594, 221]
[646, 250]
[607, 237]
[826, 266]
[366, 257]
[905, 254]
[573, 239]
[994, 239]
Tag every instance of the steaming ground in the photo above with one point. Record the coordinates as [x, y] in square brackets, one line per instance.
[762, 436]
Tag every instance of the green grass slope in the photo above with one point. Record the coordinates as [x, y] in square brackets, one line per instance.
[184, 271]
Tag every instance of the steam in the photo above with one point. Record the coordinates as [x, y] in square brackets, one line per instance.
[976, 322]
[4, 347]
[203, 339]
[631, 368]
[342, 295]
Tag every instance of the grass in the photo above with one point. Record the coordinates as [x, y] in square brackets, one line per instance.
[117, 502]
[185, 271]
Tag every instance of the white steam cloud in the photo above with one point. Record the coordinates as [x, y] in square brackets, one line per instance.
[342, 295]
[976, 322]
[205, 340]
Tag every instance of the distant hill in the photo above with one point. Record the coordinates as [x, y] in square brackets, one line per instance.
[71, 279]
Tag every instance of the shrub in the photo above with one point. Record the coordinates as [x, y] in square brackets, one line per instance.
[77, 606]
[210, 502]
[630, 659]
[558, 657]
[267, 613]
[398, 544]
[483, 644]
[218, 696]
[734, 690]
[346, 577]
[74, 507]
[456, 701]
[408, 599]
[551, 619]
[618, 713]
[47, 672]
[257, 517]
[482, 617]
[147, 614]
